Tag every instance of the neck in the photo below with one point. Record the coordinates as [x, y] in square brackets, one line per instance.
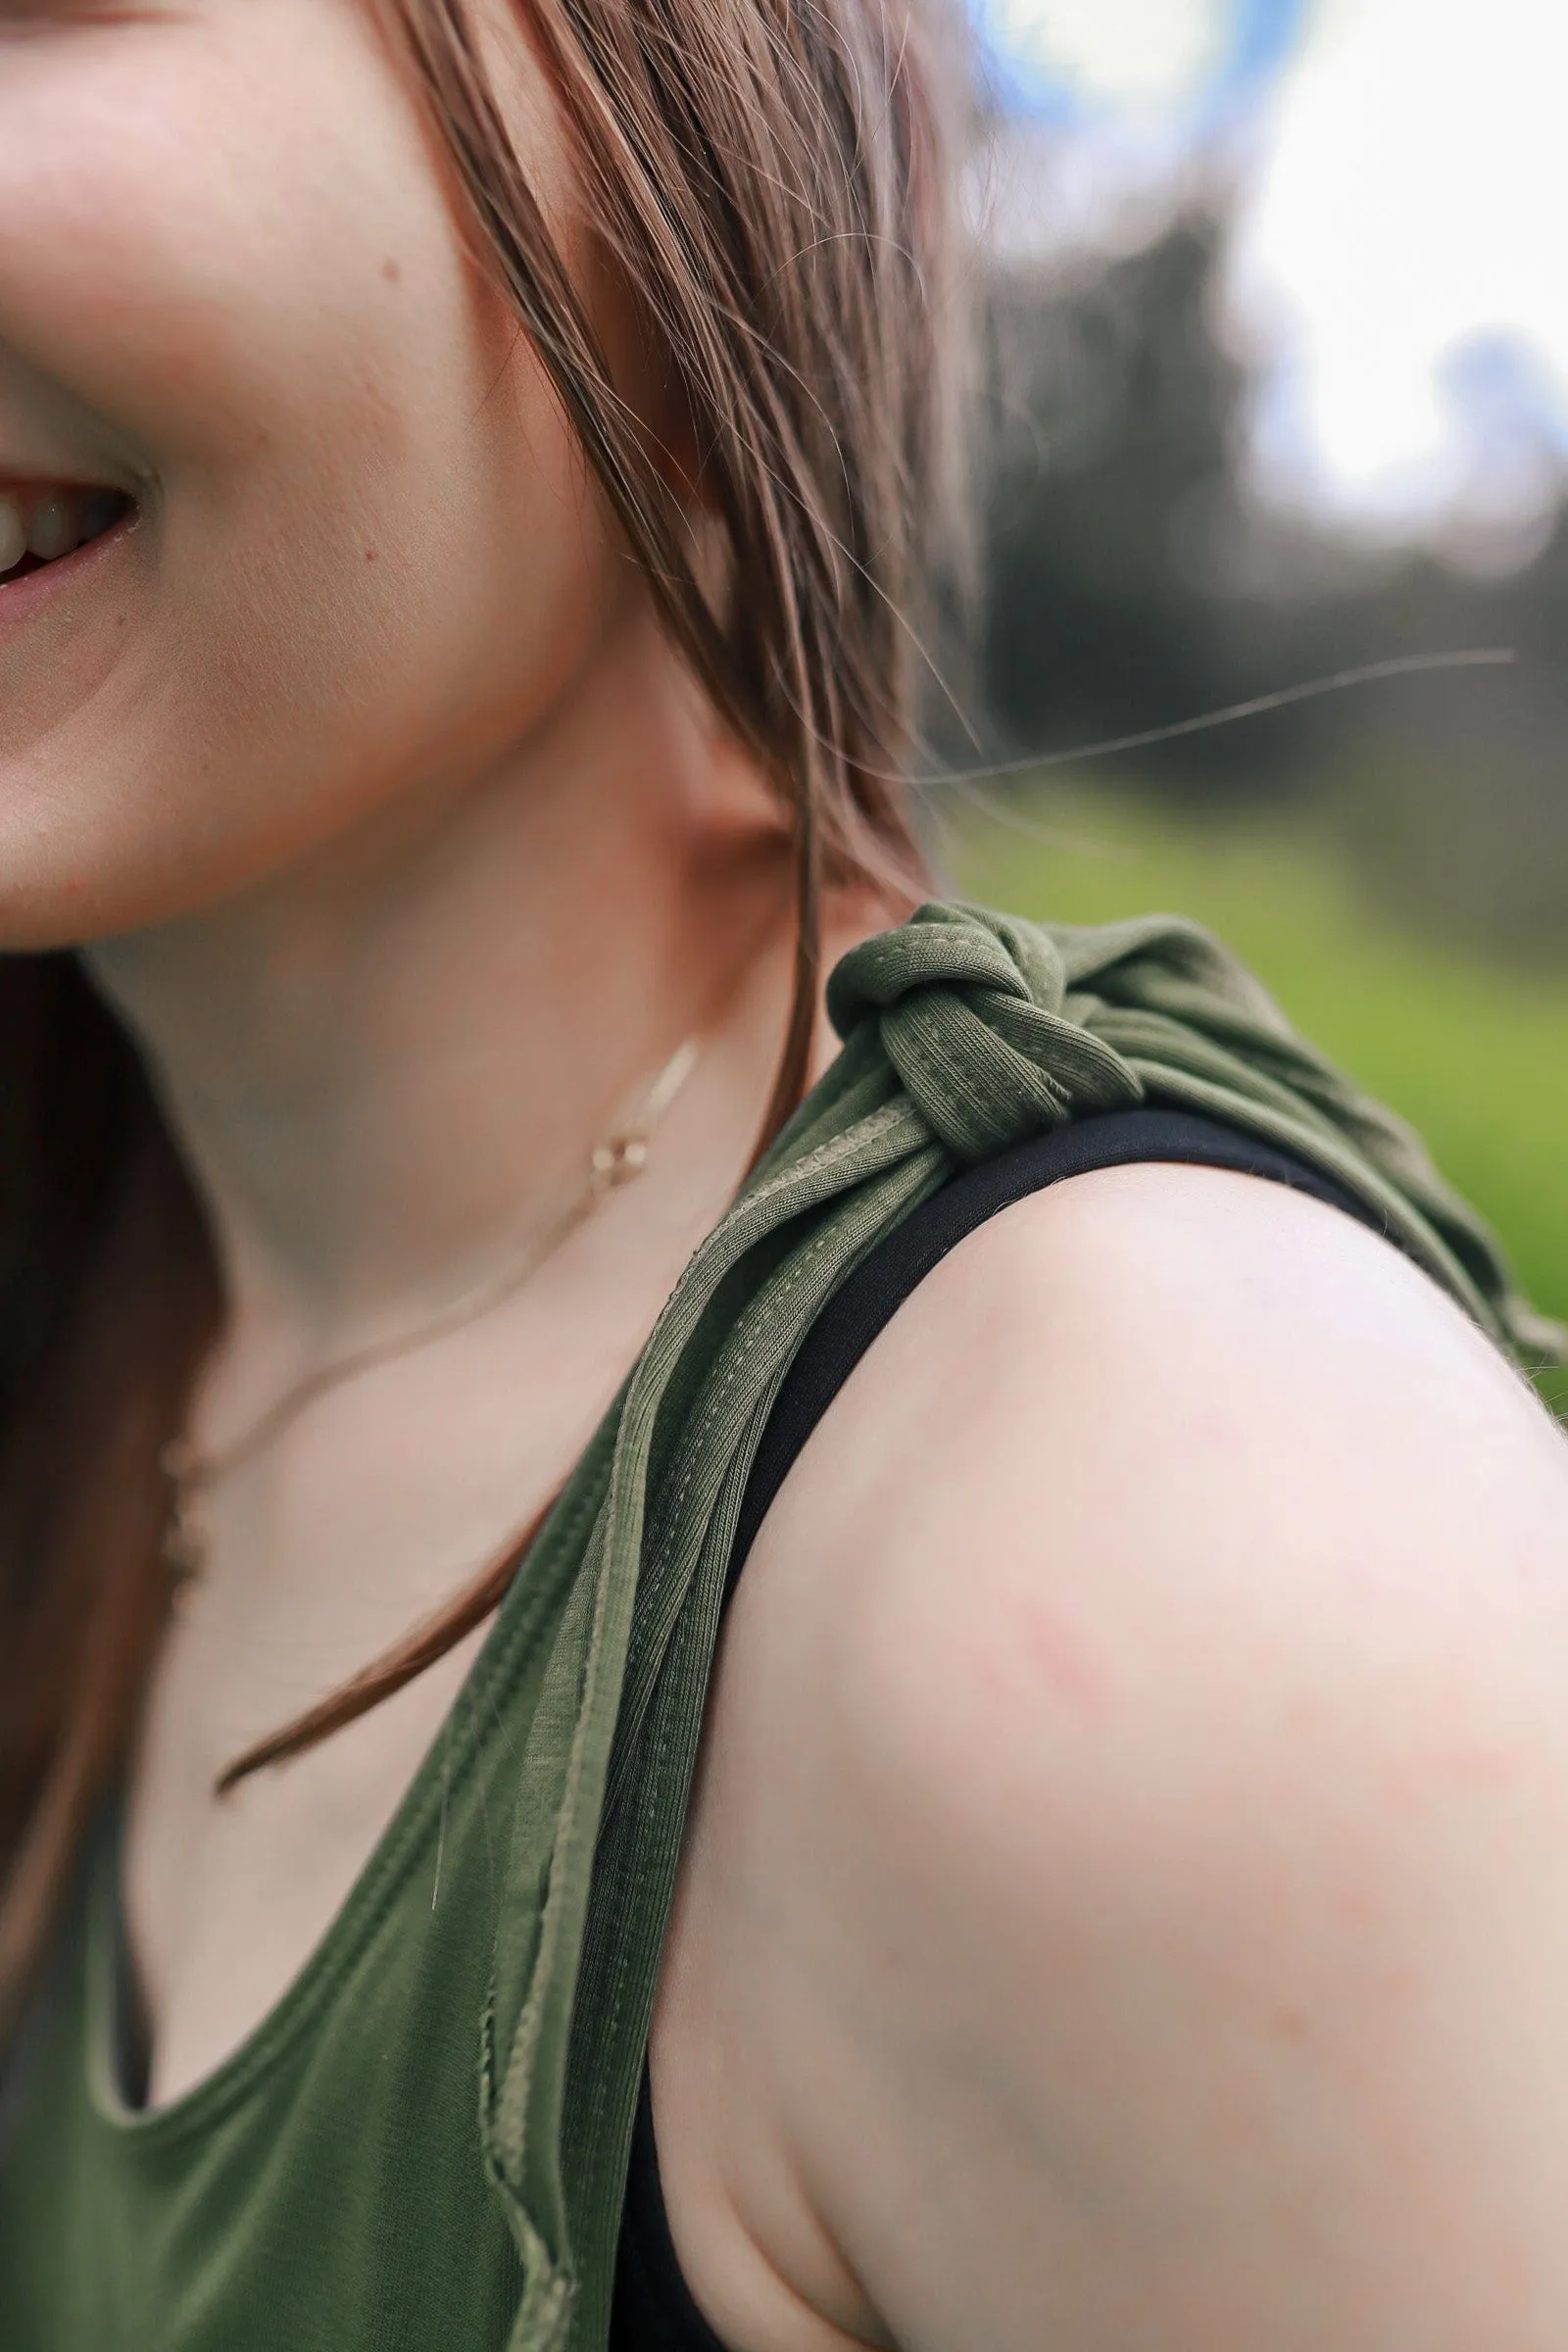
[383, 1064]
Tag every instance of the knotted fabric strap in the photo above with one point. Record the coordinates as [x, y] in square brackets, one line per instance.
[969, 1014]
[963, 1032]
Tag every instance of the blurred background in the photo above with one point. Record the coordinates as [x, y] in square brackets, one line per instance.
[1276, 388]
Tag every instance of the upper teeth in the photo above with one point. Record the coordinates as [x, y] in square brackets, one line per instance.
[46, 524]
[52, 527]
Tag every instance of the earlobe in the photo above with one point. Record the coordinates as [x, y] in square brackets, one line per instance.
[709, 550]
[675, 449]
[709, 553]
[673, 441]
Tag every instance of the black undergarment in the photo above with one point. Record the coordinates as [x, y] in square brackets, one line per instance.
[653, 2308]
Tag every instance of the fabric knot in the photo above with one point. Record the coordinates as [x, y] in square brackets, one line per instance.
[968, 1007]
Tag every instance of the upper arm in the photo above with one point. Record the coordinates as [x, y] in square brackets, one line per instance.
[1152, 1692]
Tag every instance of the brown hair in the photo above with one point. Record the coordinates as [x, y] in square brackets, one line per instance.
[768, 176]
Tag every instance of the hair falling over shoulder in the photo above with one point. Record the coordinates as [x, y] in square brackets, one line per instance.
[772, 178]
[110, 1293]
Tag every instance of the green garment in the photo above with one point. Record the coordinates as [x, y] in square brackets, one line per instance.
[426, 2141]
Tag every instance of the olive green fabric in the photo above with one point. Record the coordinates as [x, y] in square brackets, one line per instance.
[349, 2179]
[324, 2190]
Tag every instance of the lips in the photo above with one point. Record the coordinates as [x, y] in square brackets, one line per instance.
[42, 522]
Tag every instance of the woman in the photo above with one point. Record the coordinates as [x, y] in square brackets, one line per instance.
[459, 487]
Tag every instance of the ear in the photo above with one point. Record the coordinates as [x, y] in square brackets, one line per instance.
[647, 376]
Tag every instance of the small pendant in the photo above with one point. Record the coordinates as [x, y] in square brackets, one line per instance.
[184, 1540]
[184, 1548]
[618, 1161]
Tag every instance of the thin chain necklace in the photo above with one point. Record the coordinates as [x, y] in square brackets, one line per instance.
[614, 1162]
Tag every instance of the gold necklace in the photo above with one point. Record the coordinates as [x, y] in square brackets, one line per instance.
[613, 1163]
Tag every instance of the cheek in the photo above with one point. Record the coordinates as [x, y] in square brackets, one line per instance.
[367, 551]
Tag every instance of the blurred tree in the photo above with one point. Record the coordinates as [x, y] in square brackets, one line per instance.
[1117, 411]
[1129, 582]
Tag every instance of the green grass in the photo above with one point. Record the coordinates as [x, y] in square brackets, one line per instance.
[1473, 1055]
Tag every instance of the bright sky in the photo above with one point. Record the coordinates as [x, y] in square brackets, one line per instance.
[1408, 238]
[1134, 53]
[1402, 261]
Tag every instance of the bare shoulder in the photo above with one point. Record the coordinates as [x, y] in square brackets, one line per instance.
[1164, 1417]
[1139, 1787]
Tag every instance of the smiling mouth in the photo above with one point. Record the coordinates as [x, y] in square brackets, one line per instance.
[40, 522]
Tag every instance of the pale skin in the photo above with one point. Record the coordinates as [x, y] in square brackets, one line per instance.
[1124, 1903]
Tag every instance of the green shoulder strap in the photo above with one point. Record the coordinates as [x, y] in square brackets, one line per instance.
[963, 1032]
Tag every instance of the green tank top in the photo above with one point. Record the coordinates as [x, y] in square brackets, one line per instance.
[425, 2142]
[326, 2189]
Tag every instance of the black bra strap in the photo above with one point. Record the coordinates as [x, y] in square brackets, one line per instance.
[874, 1294]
